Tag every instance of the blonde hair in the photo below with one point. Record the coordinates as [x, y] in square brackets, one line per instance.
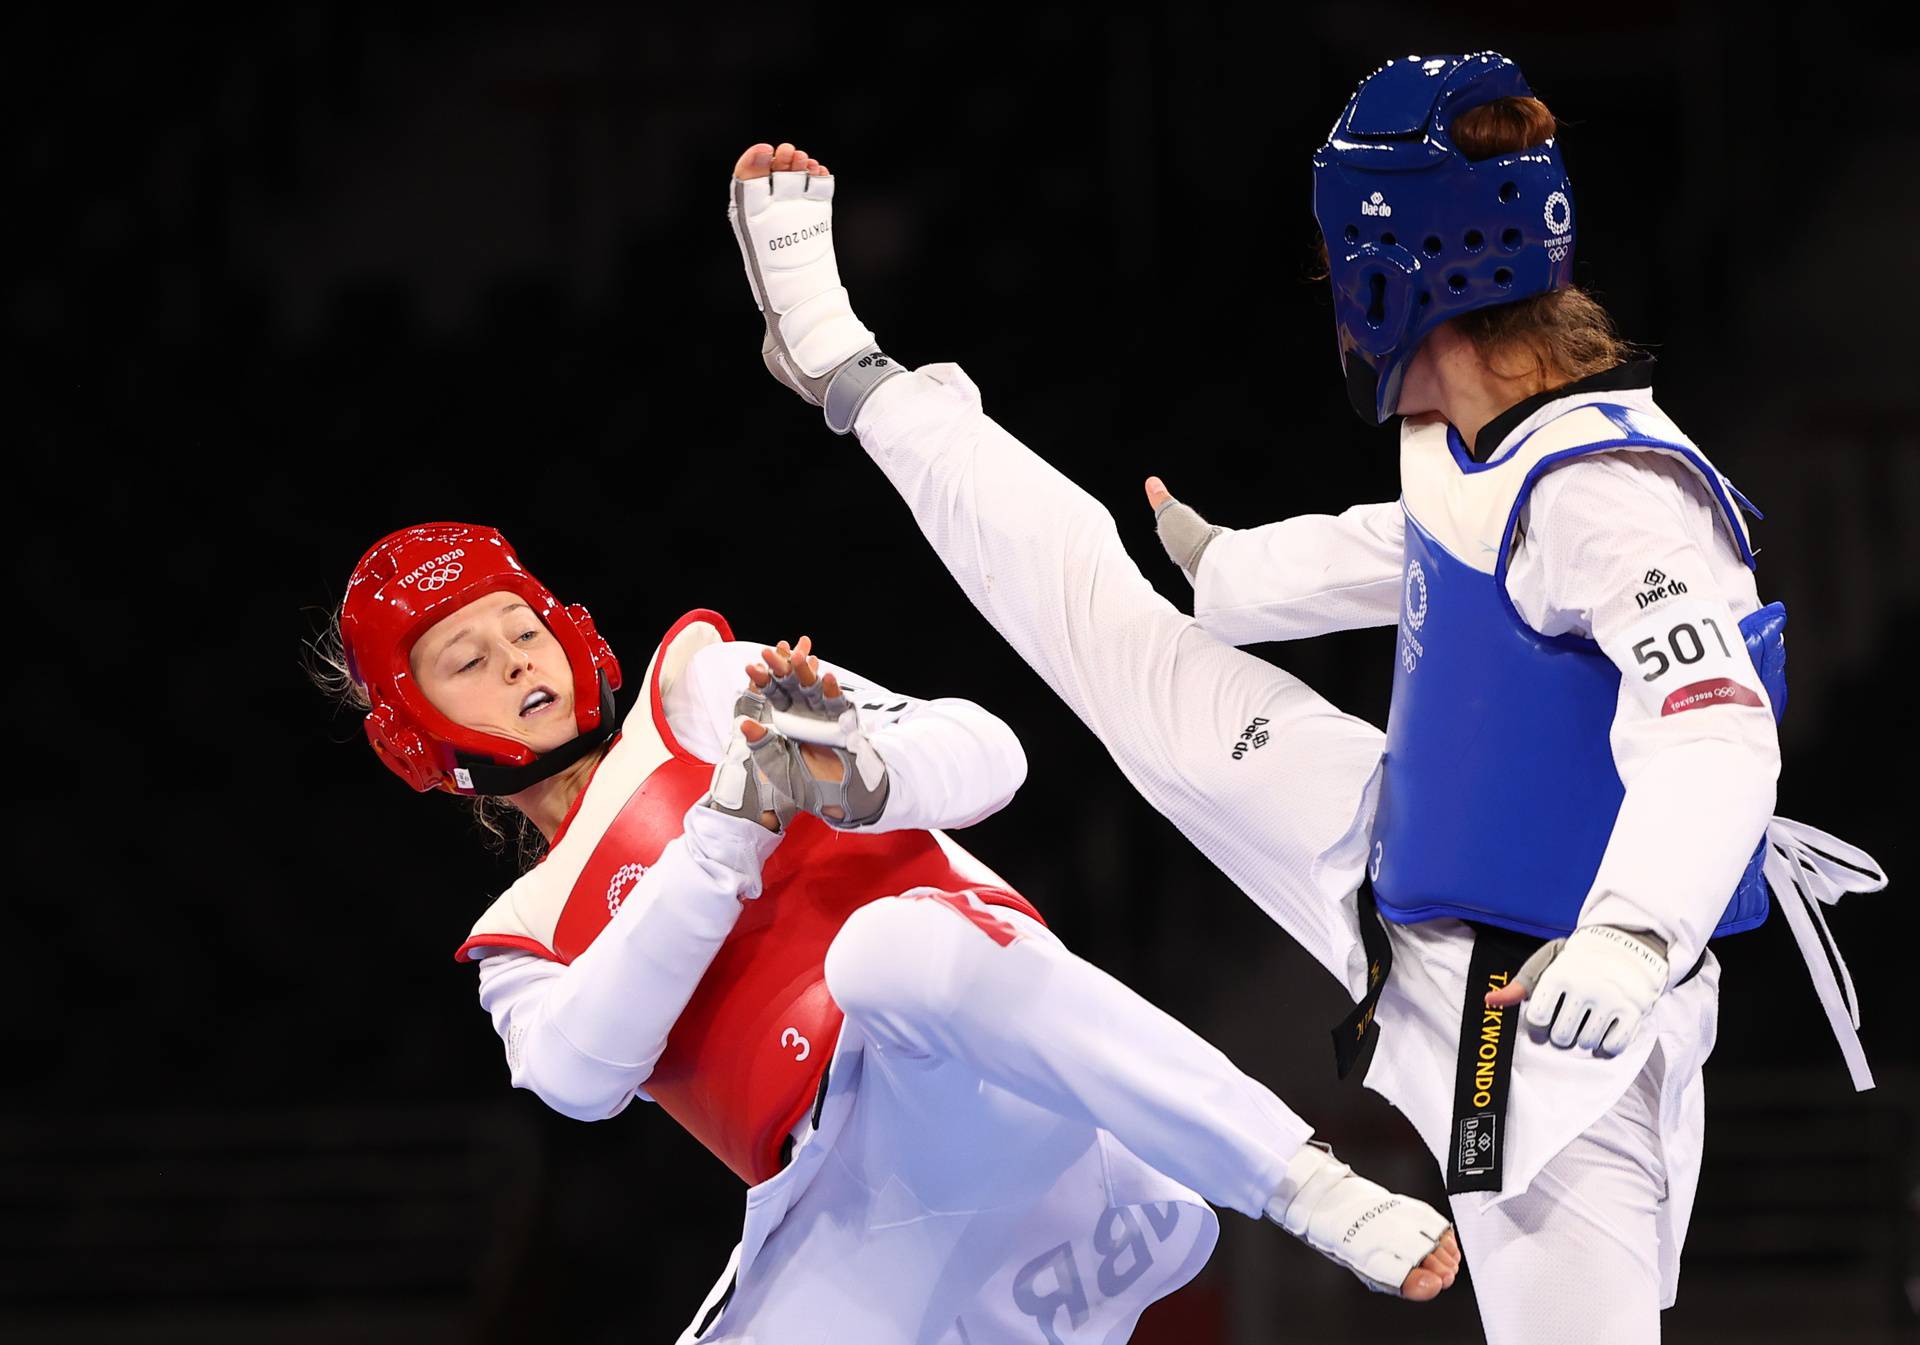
[499, 821]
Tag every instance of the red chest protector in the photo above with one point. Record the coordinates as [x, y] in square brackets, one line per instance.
[745, 1059]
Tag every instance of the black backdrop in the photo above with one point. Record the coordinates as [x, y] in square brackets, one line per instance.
[288, 280]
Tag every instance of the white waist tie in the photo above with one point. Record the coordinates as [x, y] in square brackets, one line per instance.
[1807, 868]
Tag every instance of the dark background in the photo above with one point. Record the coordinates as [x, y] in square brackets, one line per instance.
[284, 281]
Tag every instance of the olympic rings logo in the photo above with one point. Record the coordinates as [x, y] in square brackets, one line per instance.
[442, 570]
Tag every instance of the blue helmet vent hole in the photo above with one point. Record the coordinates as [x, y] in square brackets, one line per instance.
[1509, 192]
[1376, 299]
[1510, 239]
[1425, 298]
[1353, 233]
[1503, 277]
[1432, 246]
[1457, 283]
[1474, 240]
[1387, 240]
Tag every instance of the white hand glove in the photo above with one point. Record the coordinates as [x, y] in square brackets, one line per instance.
[814, 343]
[1593, 988]
[1378, 1235]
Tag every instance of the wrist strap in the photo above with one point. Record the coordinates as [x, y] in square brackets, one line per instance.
[854, 382]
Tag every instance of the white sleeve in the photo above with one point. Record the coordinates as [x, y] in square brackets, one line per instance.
[585, 1036]
[1629, 550]
[1263, 775]
[1303, 576]
[950, 762]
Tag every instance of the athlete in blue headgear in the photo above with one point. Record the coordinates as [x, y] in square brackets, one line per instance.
[1581, 748]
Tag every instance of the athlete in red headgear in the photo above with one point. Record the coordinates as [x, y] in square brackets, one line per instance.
[746, 915]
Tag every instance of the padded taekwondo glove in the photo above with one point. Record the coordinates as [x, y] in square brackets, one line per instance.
[814, 344]
[1376, 1234]
[1593, 988]
[741, 787]
[1184, 534]
[806, 714]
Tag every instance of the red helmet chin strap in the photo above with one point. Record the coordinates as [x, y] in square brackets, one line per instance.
[413, 578]
[479, 775]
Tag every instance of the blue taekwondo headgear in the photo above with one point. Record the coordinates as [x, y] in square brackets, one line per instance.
[1416, 232]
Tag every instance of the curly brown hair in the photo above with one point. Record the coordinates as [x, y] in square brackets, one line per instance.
[1563, 334]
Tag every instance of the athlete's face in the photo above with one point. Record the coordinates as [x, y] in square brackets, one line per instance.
[494, 667]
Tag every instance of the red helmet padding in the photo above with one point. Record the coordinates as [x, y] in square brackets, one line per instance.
[410, 580]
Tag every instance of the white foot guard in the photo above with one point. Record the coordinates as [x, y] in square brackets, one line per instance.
[815, 345]
[1378, 1235]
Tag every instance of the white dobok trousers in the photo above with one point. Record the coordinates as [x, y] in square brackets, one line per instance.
[1015, 1147]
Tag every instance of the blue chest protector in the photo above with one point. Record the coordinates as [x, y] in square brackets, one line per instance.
[1499, 791]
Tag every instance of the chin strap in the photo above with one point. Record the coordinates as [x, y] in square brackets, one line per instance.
[478, 775]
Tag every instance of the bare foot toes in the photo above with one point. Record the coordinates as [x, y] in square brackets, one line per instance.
[762, 159]
[756, 162]
[1420, 1286]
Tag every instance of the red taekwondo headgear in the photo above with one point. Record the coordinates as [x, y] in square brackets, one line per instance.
[413, 578]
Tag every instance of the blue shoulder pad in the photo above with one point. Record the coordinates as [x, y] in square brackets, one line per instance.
[1765, 633]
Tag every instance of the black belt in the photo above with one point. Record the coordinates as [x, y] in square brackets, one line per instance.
[1485, 1060]
[1352, 1033]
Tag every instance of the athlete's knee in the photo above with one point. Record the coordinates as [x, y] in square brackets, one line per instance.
[896, 955]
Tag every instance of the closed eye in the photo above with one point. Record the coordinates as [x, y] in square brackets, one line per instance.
[473, 662]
